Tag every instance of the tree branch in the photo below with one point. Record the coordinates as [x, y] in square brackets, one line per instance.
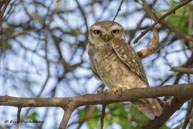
[182, 92]
[162, 17]
[188, 114]
[18, 113]
[84, 17]
[181, 70]
[152, 47]
[103, 116]
[168, 111]
[179, 91]
[119, 9]
[69, 109]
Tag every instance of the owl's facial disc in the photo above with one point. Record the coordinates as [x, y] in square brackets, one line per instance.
[103, 32]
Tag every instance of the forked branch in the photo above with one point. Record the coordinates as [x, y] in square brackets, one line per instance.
[182, 92]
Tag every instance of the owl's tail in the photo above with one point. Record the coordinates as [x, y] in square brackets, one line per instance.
[150, 107]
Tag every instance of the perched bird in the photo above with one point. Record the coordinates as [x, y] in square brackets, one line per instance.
[117, 65]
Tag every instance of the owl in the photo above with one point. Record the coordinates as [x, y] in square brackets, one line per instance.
[117, 65]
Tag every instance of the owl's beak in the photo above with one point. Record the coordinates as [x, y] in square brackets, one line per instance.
[106, 37]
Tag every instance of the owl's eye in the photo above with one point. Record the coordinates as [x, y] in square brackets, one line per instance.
[97, 32]
[115, 31]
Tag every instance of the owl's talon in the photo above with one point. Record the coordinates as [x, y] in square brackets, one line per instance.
[108, 91]
[116, 91]
[101, 91]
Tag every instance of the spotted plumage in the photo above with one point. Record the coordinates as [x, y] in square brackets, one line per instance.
[117, 65]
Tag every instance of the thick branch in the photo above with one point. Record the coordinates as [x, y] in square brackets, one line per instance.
[179, 91]
[182, 92]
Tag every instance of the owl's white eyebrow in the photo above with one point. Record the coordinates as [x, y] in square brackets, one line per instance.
[115, 27]
[97, 28]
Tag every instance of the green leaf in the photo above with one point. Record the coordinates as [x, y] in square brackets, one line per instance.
[5, 45]
[179, 19]
[82, 114]
[33, 116]
[75, 32]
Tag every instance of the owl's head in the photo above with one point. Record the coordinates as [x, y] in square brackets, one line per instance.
[105, 31]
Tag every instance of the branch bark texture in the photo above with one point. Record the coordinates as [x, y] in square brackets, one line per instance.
[181, 92]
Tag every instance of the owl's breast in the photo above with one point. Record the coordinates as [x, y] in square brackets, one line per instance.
[113, 72]
[106, 60]
[109, 67]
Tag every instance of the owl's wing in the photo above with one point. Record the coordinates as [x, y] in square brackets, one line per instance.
[92, 66]
[94, 71]
[129, 57]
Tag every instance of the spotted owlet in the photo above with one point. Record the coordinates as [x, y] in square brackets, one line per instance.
[117, 65]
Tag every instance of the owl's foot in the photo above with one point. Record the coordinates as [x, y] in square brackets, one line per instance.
[117, 91]
[101, 91]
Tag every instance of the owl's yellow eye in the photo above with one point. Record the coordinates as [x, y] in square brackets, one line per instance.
[97, 32]
[115, 31]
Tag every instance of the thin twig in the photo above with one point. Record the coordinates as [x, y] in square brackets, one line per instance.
[119, 9]
[186, 64]
[23, 118]
[161, 18]
[103, 115]
[136, 29]
[3, 10]
[168, 25]
[47, 65]
[188, 114]
[84, 16]
[182, 70]
[190, 25]
[18, 114]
